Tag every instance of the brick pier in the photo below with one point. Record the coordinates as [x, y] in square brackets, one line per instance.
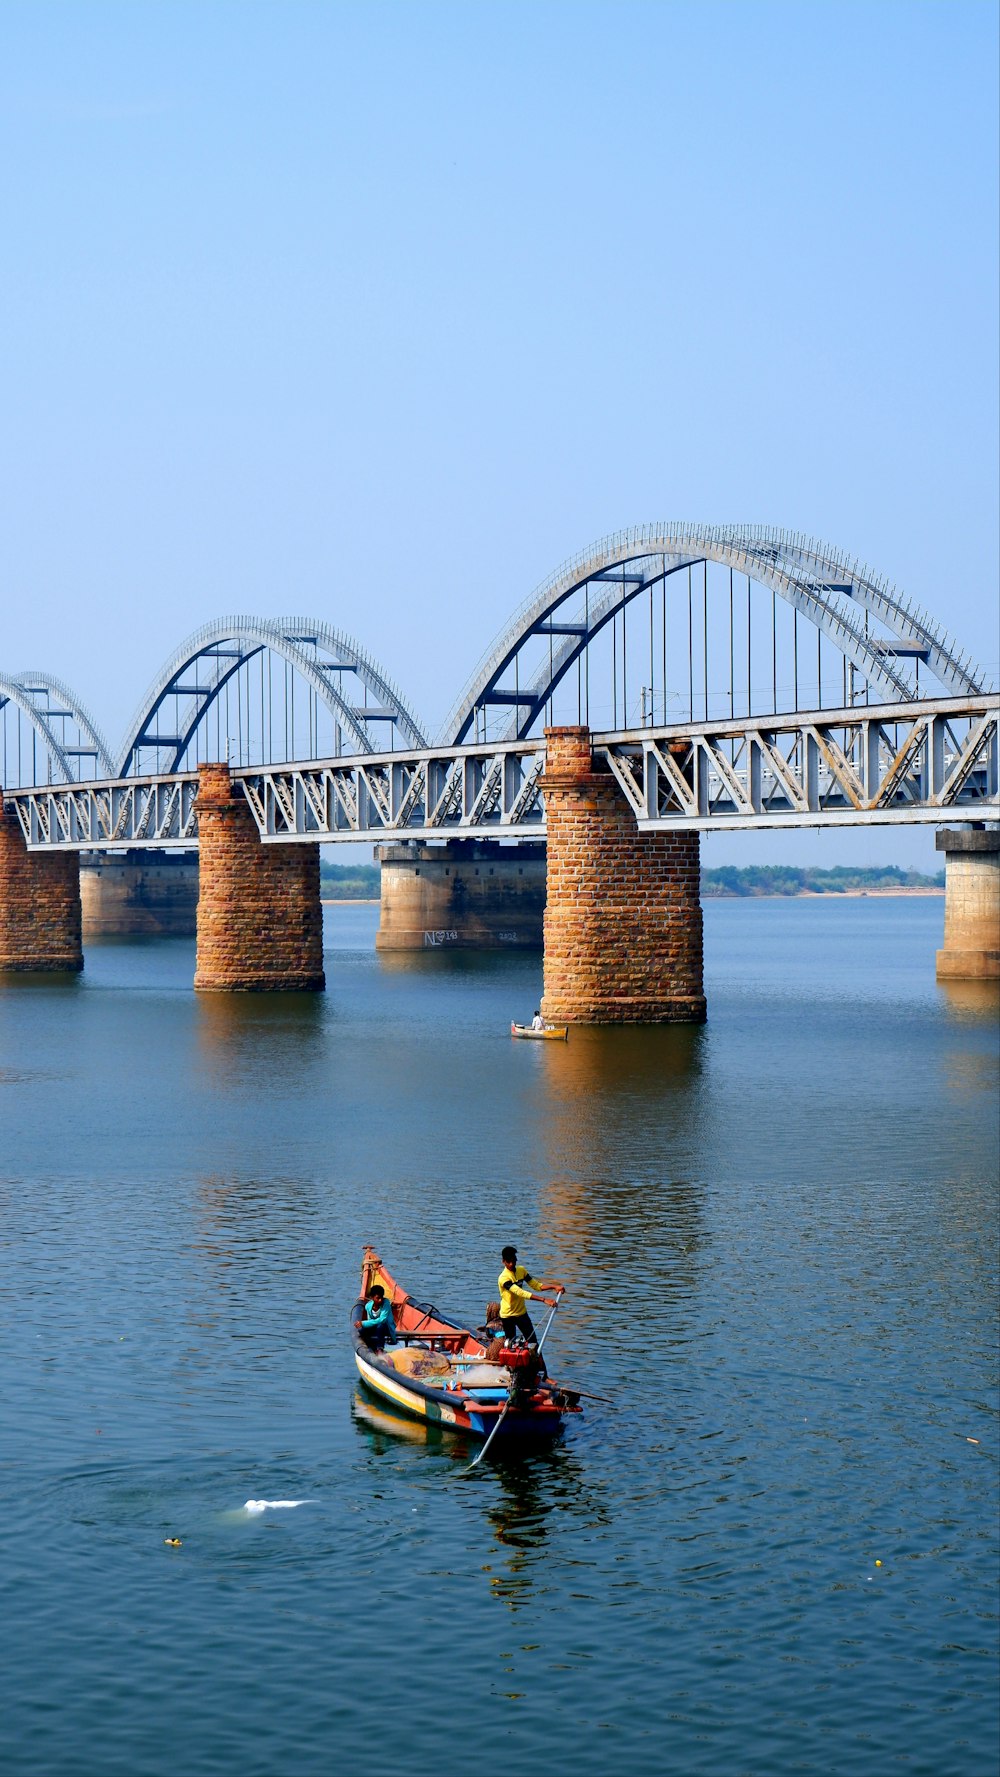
[40, 923]
[260, 920]
[623, 927]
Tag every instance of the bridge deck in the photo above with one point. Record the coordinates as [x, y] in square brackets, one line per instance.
[924, 762]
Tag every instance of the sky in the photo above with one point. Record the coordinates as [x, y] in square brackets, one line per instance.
[378, 313]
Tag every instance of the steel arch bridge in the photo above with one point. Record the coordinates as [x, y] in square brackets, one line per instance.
[225, 670]
[55, 716]
[196, 678]
[803, 701]
[839, 598]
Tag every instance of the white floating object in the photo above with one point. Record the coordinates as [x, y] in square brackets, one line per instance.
[274, 1505]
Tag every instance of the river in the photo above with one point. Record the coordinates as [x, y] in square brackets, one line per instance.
[772, 1550]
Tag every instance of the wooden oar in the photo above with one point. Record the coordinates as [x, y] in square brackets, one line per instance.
[582, 1392]
[510, 1401]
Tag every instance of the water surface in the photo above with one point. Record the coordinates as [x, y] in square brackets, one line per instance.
[772, 1550]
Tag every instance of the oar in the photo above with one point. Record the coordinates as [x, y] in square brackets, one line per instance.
[584, 1395]
[510, 1399]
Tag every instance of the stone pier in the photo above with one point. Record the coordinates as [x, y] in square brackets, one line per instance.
[139, 894]
[971, 904]
[623, 926]
[465, 895]
[260, 919]
[40, 926]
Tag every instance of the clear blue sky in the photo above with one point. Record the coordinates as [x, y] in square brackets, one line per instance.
[378, 312]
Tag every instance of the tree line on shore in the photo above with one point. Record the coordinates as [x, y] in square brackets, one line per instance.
[360, 882]
[812, 879]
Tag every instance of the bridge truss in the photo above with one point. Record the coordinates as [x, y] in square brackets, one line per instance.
[733, 674]
[54, 737]
[931, 761]
[246, 689]
[707, 622]
[224, 678]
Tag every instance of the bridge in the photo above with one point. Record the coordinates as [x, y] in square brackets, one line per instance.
[717, 677]
[913, 762]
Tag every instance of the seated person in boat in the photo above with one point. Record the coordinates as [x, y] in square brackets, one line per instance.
[538, 1022]
[517, 1288]
[378, 1324]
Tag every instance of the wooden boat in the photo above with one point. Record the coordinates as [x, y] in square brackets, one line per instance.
[440, 1372]
[550, 1033]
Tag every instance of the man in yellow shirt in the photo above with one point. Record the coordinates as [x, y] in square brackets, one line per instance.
[517, 1288]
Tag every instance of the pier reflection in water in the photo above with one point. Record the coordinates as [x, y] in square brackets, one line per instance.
[978, 999]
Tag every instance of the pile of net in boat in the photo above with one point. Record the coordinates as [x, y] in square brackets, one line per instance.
[436, 1366]
[413, 1360]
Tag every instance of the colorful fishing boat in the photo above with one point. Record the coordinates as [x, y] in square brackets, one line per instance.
[447, 1375]
[549, 1033]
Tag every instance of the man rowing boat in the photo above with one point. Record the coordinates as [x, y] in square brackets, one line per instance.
[517, 1288]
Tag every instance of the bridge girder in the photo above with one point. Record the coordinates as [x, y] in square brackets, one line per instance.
[924, 762]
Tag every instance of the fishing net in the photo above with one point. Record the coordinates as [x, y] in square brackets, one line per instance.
[412, 1361]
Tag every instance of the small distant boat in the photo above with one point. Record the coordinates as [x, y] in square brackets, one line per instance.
[442, 1372]
[549, 1033]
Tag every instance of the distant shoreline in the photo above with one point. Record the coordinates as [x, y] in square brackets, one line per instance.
[849, 894]
[846, 894]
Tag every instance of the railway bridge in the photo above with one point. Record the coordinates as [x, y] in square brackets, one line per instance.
[668, 681]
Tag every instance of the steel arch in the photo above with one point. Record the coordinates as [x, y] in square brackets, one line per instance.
[230, 642]
[23, 688]
[818, 582]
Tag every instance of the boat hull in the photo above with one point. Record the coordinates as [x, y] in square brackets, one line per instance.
[552, 1033]
[454, 1415]
[445, 1375]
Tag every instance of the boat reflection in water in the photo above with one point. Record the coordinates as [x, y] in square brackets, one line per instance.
[386, 1425]
[519, 1517]
[529, 1496]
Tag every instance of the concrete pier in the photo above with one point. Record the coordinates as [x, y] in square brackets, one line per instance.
[464, 895]
[260, 919]
[971, 948]
[40, 924]
[623, 925]
[139, 893]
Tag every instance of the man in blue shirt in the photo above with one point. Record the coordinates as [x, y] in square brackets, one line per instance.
[377, 1323]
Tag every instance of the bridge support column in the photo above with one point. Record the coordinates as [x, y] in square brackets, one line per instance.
[623, 927]
[144, 892]
[260, 919]
[465, 895]
[971, 904]
[40, 925]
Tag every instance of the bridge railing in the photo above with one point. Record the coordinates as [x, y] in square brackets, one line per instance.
[921, 763]
[488, 791]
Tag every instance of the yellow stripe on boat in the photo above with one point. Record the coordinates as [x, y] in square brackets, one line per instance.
[404, 1397]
